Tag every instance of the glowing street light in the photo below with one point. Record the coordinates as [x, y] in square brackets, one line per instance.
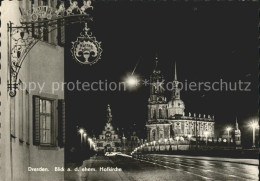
[132, 81]
[228, 130]
[170, 144]
[177, 138]
[81, 131]
[189, 136]
[165, 140]
[206, 133]
[254, 125]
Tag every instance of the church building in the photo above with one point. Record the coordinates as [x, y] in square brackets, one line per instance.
[167, 119]
[108, 140]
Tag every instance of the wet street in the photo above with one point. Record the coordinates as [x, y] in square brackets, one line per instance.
[165, 167]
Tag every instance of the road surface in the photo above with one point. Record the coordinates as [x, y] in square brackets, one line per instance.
[166, 167]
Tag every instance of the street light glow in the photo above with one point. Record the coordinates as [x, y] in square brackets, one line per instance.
[228, 129]
[254, 124]
[81, 131]
[132, 81]
[206, 133]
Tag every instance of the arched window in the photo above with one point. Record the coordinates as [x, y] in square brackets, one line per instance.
[160, 113]
[153, 134]
[154, 114]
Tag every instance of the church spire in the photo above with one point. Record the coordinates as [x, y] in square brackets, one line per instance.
[109, 115]
[156, 62]
[176, 89]
[175, 72]
[236, 124]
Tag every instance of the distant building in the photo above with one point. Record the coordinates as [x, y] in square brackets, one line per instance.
[167, 118]
[108, 140]
[237, 135]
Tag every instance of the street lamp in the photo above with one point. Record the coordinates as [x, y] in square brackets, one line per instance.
[85, 139]
[177, 138]
[206, 133]
[170, 144]
[165, 144]
[189, 137]
[132, 81]
[254, 125]
[154, 145]
[228, 130]
[81, 131]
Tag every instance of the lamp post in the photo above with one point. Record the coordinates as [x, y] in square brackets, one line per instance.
[228, 130]
[189, 136]
[206, 133]
[253, 125]
[170, 144]
[81, 131]
[177, 138]
[165, 140]
[85, 139]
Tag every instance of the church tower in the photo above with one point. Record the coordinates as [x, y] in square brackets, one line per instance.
[157, 126]
[109, 115]
[237, 135]
[108, 140]
[176, 105]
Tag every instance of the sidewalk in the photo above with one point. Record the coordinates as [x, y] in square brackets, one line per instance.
[254, 162]
[96, 168]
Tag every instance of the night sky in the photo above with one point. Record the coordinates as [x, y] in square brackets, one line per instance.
[209, 41]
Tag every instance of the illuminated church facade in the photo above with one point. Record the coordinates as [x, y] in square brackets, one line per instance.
[167, 119]
[108, 140]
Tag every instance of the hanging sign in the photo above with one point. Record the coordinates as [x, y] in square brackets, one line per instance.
[86, 49]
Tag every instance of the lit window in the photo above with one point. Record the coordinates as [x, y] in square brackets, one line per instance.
[45, 121]
[48, 121]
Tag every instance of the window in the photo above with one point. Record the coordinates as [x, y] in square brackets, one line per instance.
[117, 144]
[160, 113]
[154, 114]
[61, 33]
[41, 30]
[48, 121]
[45, 121]
[153, 134]
[46, 116]
[45, 2]
[99, 144]
[45, 36]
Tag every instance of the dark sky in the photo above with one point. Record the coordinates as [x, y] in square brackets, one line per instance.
[209, 41]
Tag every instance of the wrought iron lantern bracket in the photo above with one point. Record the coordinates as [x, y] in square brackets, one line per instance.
[22, 38]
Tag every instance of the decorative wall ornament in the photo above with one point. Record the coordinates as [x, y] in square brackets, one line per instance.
[86, 49]
[41, 13]
[45, 19]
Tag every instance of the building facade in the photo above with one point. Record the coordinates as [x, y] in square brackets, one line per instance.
[167, 119]
[32, 123]
[108, 140]
[237, 135]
